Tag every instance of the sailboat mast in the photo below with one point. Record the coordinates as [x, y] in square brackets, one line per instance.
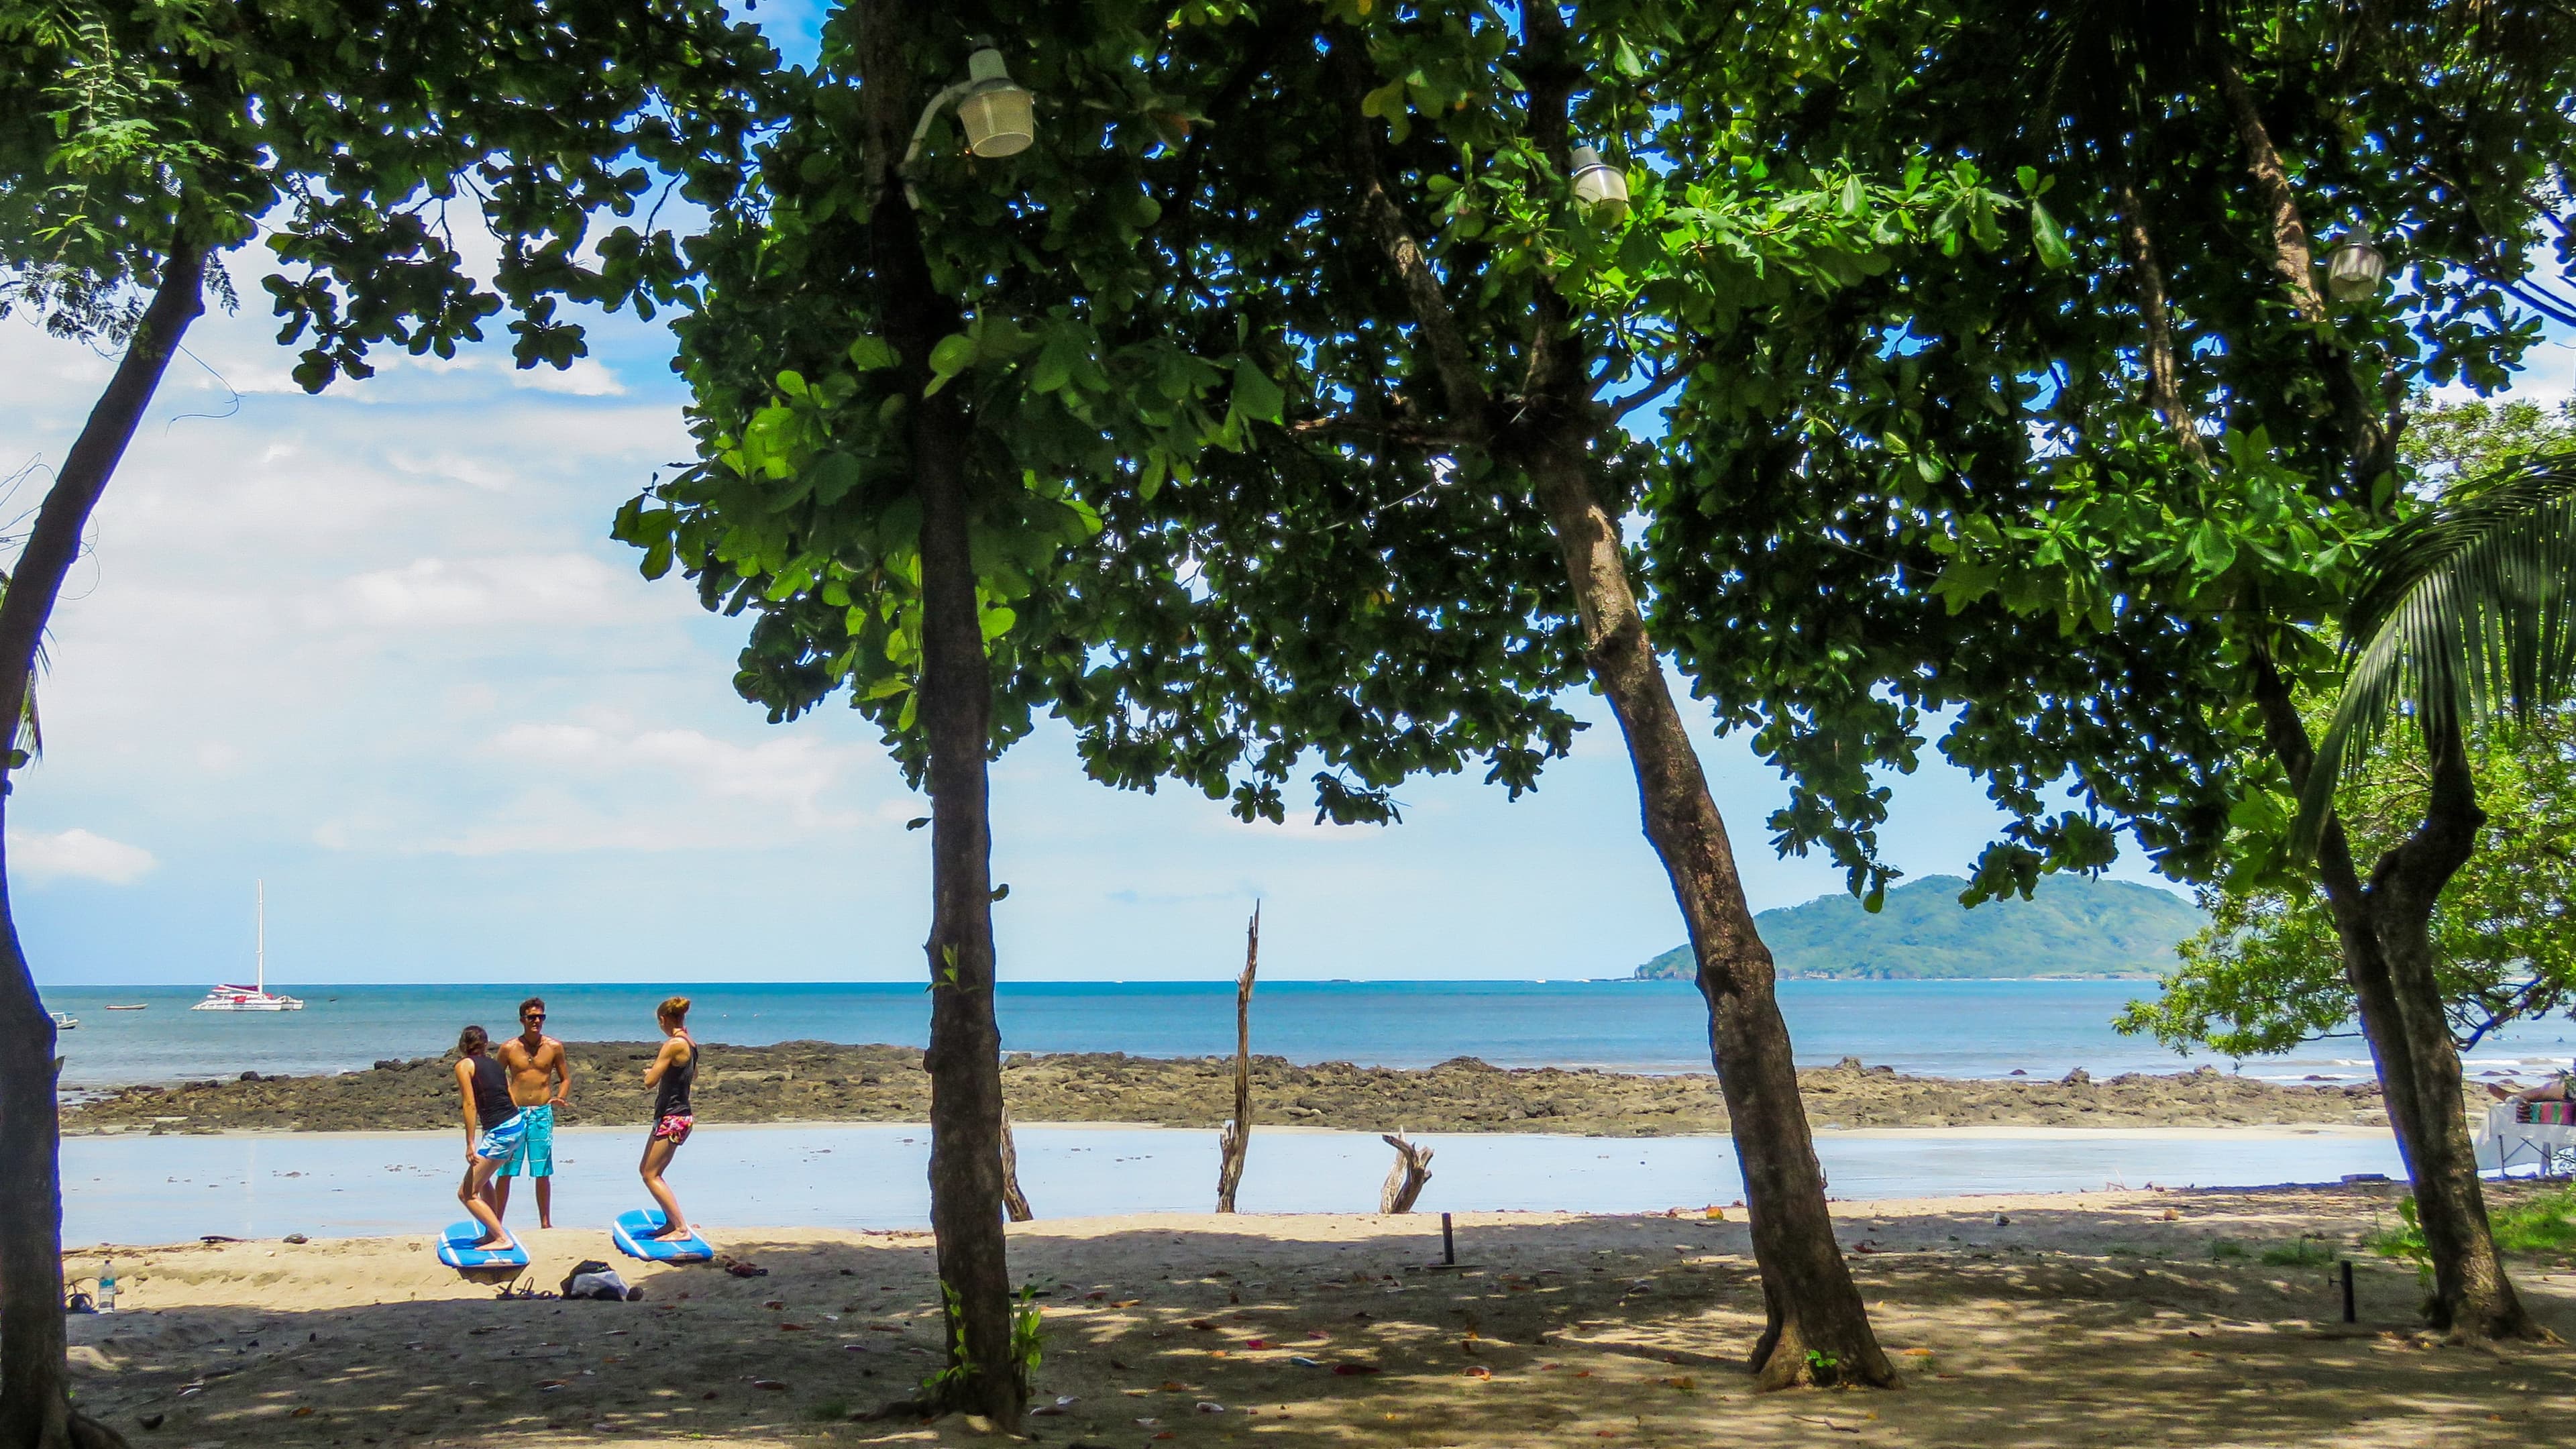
[259, 932]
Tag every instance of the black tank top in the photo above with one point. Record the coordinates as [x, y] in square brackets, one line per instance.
[492, 1104]
[671, 1095]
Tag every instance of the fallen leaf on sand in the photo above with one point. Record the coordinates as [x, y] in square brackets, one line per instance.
[793, 1328]
[1201, 1323]
[1208, 1408]
[1113, 1363]
[1479, 1371]
[767, 1384]
[550, 1385]
[1347, 1369]
[1837, 1427]
[1916, 1352]
[302, 1411]
[1256, 1343]
[1685, 1383]
[709, 1394]
[1126, 1302]
[1166, 1434]
[1173, 1387]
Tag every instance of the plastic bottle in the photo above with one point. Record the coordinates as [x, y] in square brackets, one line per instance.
[107, 1287]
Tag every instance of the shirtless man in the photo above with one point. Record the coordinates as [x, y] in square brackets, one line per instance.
[540, 1081]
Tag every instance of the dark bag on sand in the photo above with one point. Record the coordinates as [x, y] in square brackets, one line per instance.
[591, 1278]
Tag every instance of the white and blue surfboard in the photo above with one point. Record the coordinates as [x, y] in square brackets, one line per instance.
[633, 1236]
[456, 1249]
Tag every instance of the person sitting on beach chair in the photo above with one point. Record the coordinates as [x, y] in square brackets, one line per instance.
[2561, 1088]
[493, 1130]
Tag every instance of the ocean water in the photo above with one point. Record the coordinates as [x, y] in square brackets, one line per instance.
[170, 1189]
[1935, 1028]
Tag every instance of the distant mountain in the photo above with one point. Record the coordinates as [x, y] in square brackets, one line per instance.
[2071, 927]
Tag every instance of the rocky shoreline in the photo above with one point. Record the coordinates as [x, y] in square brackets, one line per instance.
[806, 1081]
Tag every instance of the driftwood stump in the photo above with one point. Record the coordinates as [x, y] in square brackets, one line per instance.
[1237, 1136]
[1014, 1201]
[1404, 1180]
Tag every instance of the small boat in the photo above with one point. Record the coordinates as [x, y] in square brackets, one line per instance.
[229, 997]
[133, 1006]
[63, 1020]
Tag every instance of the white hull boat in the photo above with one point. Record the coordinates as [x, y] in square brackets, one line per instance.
[254, 997]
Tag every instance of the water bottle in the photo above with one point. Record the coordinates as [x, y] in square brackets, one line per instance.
[107, 1287]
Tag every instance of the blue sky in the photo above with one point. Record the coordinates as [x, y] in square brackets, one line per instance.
[377, 649]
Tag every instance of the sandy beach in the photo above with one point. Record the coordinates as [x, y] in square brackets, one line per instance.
[2131, 1318]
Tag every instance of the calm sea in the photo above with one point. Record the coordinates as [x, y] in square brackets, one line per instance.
[1938, 1028]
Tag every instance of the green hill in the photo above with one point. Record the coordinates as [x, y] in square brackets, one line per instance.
[2071, 927]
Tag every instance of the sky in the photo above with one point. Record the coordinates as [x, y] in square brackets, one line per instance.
[376, 650]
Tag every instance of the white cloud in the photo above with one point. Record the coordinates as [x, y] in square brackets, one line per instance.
[560, 588]
[78, 854]
[587, 377]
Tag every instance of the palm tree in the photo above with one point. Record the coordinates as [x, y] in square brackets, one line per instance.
[2461, 614]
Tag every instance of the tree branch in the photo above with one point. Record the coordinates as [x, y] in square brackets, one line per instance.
[1460, 379]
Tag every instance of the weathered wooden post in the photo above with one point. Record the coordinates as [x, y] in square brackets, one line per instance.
[1404, 1180]
[1237, 1136]
[1014, 1201]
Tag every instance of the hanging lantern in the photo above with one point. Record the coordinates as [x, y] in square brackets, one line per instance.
[2354, 268]
[999, 117]
[1600, 188]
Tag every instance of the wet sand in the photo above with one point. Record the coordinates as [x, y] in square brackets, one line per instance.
[825, 1082]
[2130, 1318]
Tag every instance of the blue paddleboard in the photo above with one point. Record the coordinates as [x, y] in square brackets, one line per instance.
[633, 1238]
[456, 1249]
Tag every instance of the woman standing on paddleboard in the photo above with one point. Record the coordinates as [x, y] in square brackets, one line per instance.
[673, 1071]
[493, 1130]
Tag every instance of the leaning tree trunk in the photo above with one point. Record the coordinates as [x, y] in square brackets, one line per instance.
[2164, 368]
[2384, 931]
[2368, 447]
[35, 1407]
[955, 709]
[1816, 1328]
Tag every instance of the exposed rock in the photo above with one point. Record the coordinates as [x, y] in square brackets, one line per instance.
[828, 1082]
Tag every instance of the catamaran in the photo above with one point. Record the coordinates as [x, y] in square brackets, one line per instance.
[255, 997]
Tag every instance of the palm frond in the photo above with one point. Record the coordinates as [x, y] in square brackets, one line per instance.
[2460, 614]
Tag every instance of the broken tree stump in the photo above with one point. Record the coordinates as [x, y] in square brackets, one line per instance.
[1404, 1180]
[1014, 1201]
[1237, 1136]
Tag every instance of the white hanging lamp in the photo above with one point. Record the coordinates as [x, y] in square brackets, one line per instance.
[1000, 117]
[2354, 268]
[1600, 188]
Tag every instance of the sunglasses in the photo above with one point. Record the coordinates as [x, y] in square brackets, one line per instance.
[532, 1016]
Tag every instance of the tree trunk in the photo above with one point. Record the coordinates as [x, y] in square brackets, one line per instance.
[2384, 929]
[1817, 1329]
[35, 1409]
[2164, 372]
[2367, 445]
[954, 711]
[1236, 1140]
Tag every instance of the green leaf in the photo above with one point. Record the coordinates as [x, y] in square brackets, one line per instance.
[2047, 238]
[1255, 395]
[869, 354]
[949, 356]
[832, 475]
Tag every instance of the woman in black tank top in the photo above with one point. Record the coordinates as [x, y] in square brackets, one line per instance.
[673, 1073]
[484, 1085]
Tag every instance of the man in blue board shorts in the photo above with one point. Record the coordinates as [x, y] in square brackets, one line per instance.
[493, 1131]
[540, 1081]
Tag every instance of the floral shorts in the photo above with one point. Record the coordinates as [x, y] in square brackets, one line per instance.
[674, 1127]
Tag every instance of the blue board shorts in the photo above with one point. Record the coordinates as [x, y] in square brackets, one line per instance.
[501, 1139]
[535, 1155]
